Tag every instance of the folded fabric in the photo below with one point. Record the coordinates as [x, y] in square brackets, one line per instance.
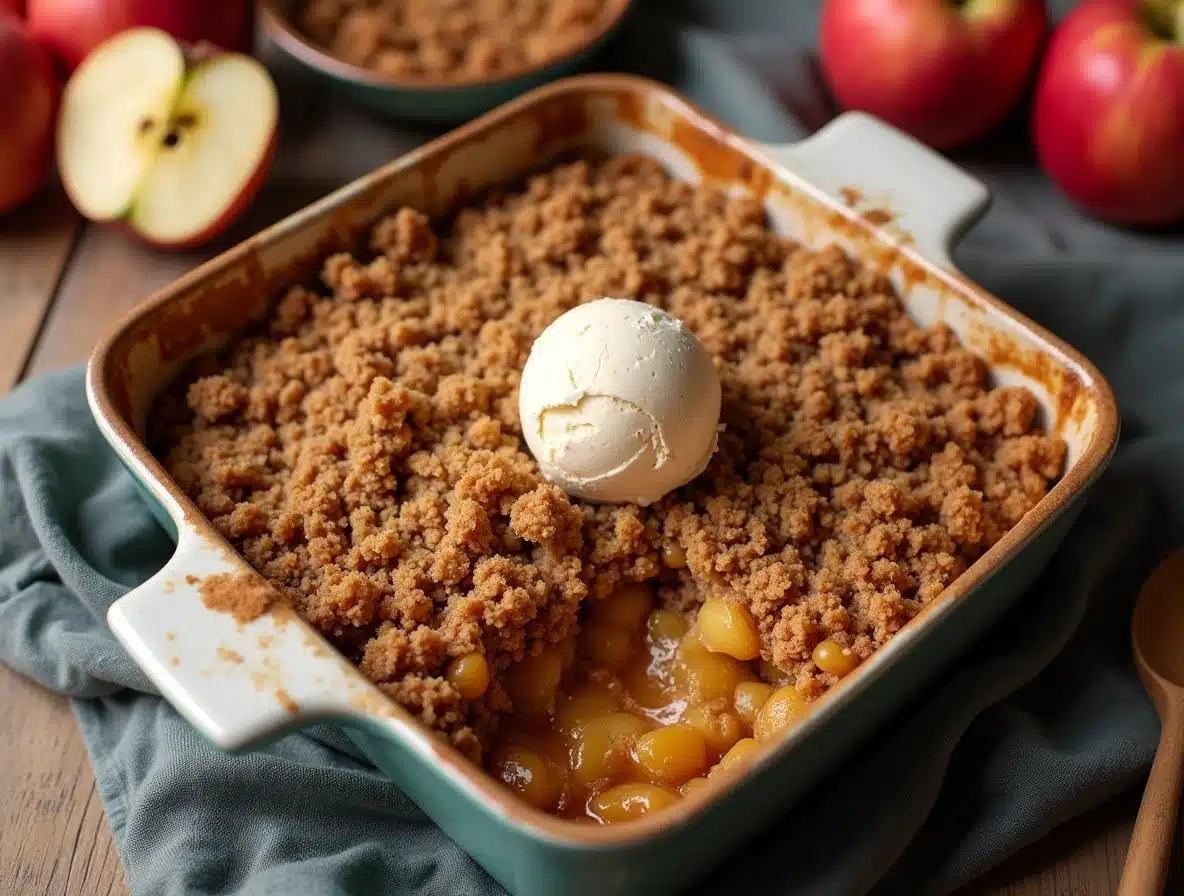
[1043, 719]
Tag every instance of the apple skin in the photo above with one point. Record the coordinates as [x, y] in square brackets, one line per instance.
[944, 72]
[29, 95]
[16, 7]
[1109, 115]
[81, 154]
[72, 28]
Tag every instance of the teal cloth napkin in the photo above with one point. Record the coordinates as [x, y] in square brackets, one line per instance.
[1042, 720]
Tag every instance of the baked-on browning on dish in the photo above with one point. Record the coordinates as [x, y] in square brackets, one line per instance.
[362, 450]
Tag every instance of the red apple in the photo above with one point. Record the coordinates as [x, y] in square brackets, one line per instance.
[1109, 113]
[945, 71]
[171, 147]
[28, 98]
[72, 28]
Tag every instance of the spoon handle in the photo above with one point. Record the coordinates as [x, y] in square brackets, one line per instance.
[1151, 843]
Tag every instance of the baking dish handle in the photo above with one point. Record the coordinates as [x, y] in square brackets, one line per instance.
[863, 163]
[237, 682]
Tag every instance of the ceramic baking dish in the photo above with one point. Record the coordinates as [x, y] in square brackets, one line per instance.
[889, 200]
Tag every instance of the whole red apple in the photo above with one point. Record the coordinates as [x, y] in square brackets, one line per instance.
[72, 28]
[1109, 113]
[28, 100]
[945, 71]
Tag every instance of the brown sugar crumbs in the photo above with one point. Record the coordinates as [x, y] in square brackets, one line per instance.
[362, 450]
[242, 596]
[285, 700]
[451, 38]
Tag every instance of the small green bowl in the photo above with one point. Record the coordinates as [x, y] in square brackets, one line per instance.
[436, 101]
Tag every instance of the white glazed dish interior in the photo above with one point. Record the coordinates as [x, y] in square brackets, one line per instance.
[286, 675]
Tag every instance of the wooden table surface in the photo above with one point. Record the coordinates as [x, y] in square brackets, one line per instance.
[62, 285]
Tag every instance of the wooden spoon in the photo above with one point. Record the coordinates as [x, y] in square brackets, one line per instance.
[1157, 633]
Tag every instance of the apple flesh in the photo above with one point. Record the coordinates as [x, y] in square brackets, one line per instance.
[73, 28]
[28, 99]
[945, 71]
[1109, 112]
[174, 148]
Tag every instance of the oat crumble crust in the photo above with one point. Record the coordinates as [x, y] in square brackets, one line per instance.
[450, 38]
[362, 450]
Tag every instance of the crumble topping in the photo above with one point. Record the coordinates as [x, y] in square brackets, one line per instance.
[362, 448]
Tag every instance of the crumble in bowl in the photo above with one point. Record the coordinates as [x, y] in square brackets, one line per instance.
[459, 40]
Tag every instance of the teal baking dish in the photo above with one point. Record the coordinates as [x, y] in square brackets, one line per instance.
[437, 101]
[885, 198]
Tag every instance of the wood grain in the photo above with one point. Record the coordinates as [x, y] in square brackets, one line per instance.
[1083, 857]
[56, 839]
[1153, 835]
[35, 245]
[108, 276]
[111, 273]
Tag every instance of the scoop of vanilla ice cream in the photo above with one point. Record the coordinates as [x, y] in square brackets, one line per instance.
[619, 402]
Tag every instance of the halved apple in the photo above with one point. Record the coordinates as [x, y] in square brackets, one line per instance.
[173, 146]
